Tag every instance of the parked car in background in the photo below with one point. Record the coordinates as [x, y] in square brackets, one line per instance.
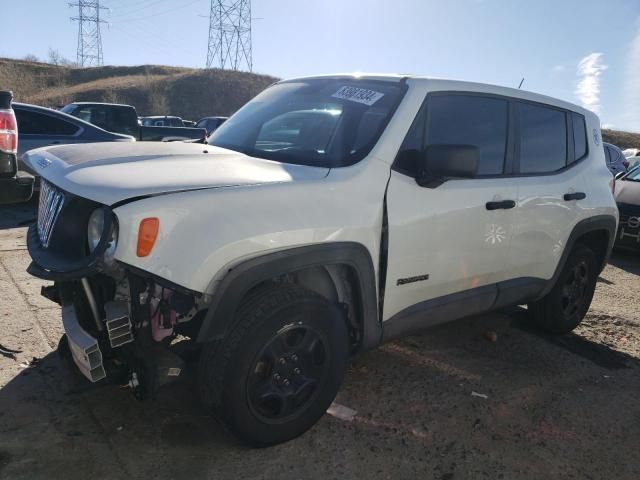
[40, 127]
[632, 157]
[615, 159]
[112, 117]
[162, 121]
[15, 186]
[631, 152]
[210, 123]
[627, 194]
[120, 118]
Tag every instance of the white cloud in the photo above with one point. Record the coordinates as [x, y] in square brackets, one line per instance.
[558, 68]
[632, 83]
[588, 89]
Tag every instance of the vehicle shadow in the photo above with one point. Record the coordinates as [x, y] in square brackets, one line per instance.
[482, 396]
[626, 260]
[18, 215]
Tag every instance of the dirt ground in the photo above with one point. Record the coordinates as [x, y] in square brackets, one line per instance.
[448, 404]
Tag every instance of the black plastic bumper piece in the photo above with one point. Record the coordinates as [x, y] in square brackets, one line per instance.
[16, 189]
[49, 266]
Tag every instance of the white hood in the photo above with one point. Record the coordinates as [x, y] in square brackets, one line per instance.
[111, 172]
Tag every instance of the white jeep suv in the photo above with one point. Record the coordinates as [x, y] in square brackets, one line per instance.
[328, 215]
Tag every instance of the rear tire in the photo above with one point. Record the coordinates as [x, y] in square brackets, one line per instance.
[279, 368]
[564, 307]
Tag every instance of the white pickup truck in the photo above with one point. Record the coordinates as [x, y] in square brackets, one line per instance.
[330, 214]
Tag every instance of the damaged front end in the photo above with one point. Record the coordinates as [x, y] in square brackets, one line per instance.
[122, 324]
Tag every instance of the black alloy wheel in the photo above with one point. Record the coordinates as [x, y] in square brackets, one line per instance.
[275, 373]
[287, 373]
[575, 288]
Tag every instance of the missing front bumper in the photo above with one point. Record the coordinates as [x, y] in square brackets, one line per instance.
[85, 350]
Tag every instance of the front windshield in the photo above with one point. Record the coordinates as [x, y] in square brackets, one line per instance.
[325, 122]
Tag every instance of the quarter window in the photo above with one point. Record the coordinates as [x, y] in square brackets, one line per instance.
[543, 139]
[471, 120]
[579, 136]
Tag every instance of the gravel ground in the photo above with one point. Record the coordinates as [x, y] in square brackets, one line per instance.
[449, 404]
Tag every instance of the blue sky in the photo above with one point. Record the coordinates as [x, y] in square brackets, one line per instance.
[584, 51]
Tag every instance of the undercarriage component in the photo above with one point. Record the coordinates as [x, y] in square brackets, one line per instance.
[50, 292]
[84, 348]
[92, 302]
[118, 323]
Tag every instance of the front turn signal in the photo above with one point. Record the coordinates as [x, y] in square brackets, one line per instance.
[147, 235]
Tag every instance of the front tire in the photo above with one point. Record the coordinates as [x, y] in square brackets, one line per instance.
[564, 307]
[279, 368]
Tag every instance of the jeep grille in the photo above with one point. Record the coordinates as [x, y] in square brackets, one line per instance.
[51, 202]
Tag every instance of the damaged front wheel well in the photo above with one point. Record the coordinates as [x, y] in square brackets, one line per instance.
[341, 272]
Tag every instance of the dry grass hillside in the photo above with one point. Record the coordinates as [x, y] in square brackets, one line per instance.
[621, 139]
[190, 93]
[153, 89]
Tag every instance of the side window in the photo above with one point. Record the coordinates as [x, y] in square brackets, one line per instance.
[607, 153]
[34, 123]
[123, 120]
[579, 136]
[543, 139]
[616, 155]
[95, 115]
[471, 120]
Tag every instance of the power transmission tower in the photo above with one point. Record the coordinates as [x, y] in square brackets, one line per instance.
[230, 35]
[89, 52]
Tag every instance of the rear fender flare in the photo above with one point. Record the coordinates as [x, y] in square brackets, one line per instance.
[607, 223]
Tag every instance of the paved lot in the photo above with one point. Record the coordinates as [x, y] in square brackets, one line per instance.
[543, 407]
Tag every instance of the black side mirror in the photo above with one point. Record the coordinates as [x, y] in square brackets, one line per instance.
[440, 162]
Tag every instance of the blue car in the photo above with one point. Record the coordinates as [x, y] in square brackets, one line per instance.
[40, 127]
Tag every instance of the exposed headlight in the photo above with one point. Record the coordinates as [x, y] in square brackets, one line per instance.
[94, 232]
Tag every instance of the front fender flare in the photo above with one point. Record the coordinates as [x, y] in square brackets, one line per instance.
[240, 279]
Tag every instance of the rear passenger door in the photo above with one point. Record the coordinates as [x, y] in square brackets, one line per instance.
[444, 239]
[550, 144]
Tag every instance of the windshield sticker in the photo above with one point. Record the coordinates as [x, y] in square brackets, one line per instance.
[360, 95]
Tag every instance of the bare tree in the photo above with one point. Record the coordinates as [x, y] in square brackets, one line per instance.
[30, 57]
[54, 56]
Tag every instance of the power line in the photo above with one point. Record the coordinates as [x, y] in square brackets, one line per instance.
[89, 52]
[134, 8]
[163, 12]
[230, 35]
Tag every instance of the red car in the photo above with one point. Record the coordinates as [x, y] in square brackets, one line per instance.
[15, 186]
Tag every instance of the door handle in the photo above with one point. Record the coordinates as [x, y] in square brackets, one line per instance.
[575, 196]
[503, 204]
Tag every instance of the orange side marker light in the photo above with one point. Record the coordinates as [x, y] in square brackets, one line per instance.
[147, 235]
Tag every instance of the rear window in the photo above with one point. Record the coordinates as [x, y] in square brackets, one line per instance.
[543, 138]
[34, 123]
